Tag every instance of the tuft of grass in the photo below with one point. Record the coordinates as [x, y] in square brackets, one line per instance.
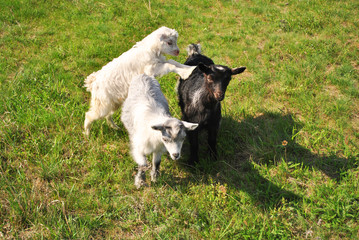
[288, 142]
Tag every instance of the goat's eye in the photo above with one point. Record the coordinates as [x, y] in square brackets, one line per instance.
[165, 139]
[170, 43]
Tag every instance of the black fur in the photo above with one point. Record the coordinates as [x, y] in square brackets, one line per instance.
[213, 81]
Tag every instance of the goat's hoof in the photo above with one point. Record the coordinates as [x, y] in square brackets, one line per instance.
[154, 176]
[187, 73]
[140, 180]
[86, 133]
[114, 126]
[140, 183]
[193, 161]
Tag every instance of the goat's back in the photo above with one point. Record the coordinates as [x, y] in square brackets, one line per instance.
[145, 100]
[195, 57]
[194, 82]
[195, 103]
[113, 79]
[147, 90]
[187, 88]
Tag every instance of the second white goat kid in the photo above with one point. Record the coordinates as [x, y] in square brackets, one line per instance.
[152, 129]
[109, 86]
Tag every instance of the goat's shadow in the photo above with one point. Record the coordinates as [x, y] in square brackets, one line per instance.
[264, 139]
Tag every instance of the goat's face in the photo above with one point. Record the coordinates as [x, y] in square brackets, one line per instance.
[173, 135]
[169, 43]
[217, 78]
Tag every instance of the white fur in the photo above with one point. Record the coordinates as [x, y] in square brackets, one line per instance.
[220, 68]
[151, 128]
[193, 49]
[197, 97]
[109, 86]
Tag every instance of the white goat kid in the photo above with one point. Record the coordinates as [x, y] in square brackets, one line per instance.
[109, 86]
[152, 129]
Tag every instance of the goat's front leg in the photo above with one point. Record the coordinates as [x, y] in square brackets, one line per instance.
[140, 178]
[212, 141]
[161, 69]
[193, 141]
[156, 161]
[183, 70]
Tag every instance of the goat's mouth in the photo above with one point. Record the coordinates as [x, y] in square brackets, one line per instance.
[176, 52]
[175, 156]
[219, 97]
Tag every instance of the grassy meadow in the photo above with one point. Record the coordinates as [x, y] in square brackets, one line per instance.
[288, 144]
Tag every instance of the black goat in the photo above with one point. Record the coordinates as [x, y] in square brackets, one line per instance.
[200, 96]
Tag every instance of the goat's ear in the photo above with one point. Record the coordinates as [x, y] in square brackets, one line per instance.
[204, 68]
[158, 127]
[190, 126]
[238, 70]
[163, 37]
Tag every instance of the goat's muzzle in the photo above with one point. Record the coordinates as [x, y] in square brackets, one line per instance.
[219, 96]
[175, 156]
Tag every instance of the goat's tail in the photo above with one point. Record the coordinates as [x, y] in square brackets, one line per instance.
[89, 81]
[193, 49]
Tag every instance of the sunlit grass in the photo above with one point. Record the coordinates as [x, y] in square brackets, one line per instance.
[288, 143]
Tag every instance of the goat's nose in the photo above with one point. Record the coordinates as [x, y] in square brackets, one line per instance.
[219, 96]
[175, 155]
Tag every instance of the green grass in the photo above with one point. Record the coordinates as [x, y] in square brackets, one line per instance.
[300, 86]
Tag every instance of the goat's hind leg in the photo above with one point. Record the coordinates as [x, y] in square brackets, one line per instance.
[99, 109]
[111, 123]
[90, 117]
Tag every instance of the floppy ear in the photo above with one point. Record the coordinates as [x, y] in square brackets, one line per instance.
[238, 70]
[158, 127]
[190, 126]
[204, 68]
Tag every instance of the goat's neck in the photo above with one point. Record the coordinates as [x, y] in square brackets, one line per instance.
[208, 97]
[155, 118]
[156, 52]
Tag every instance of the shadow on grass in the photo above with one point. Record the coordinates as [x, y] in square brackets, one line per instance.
[271, 137]
[265, 139]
